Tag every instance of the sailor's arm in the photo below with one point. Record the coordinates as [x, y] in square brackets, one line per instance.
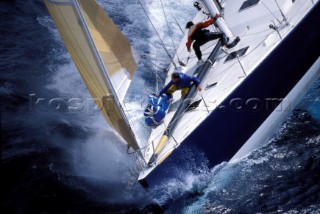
[210, 21]
[188, 44]
[165, 88]
[196, 81]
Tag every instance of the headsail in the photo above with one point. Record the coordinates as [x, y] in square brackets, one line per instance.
[102, 55]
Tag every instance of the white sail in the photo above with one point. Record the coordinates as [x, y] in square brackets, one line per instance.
[102, 55]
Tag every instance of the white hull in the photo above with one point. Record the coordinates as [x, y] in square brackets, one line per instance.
[263, 45]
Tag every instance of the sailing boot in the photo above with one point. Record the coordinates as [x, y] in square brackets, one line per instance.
[200, 62]
[234, 43]
[224, 39]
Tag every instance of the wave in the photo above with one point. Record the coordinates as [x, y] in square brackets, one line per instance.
[61, 161]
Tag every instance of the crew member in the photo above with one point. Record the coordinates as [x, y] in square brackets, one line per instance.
[201, 36]
[180, 81]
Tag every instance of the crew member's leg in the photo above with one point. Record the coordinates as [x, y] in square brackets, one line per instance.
[196, 48]
[204, 39]
[184, 92]
[171, 90]
[214, 35]
[224, 39]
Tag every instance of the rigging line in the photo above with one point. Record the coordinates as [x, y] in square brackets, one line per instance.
[182, 50]
[157, 82]
[144, 147]
[162, 43]
[154, 64]
[165, 17]
[283, 16]
[170, 34]
[134, 156]
[245, 32]
[271, 12]
[256, 46]
[179, 26]
[183, 113]
[149, 90]
[140, 149]
[205, 104]
[156, 73]
[259, 38]
[253, 34]
[174, 139]
[165, 125]
[147, 57]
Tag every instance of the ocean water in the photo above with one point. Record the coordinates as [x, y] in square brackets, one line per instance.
[65, 161]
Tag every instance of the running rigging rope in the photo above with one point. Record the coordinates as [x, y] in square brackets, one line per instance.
[170, 34]
[165, 17]
[162, 43]
[270, 12]
[178, 25]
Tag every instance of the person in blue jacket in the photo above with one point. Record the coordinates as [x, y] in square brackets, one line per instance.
[180, 81]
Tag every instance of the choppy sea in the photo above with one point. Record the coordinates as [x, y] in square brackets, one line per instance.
[56, 160]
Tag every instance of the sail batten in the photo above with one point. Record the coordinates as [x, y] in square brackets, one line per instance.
[105, 67]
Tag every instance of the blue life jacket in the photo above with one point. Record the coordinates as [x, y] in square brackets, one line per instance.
[156, 109]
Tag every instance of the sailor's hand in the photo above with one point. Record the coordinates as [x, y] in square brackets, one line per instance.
[189, 49]
[157, 95]
[217, 16]
[199, 88]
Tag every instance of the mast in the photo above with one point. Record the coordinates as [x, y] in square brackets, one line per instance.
[222, 25]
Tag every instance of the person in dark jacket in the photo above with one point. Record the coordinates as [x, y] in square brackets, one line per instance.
[180, 81]
[201, 36]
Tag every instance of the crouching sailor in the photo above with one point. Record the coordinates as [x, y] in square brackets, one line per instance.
[180, 81]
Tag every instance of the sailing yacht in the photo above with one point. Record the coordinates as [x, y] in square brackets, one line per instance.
[248, 89]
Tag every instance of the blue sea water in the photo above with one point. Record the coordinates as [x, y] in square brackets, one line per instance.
[59, 161]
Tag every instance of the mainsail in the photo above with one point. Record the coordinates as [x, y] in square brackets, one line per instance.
[102, 55]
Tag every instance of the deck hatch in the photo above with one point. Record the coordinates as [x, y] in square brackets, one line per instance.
[234, 54]
[211, 85]
[247, 4]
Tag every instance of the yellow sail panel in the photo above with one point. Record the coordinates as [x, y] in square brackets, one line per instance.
[111, 44]
[74, 32]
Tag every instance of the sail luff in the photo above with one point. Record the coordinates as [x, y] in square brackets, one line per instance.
[98, 58]
[74, 31]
